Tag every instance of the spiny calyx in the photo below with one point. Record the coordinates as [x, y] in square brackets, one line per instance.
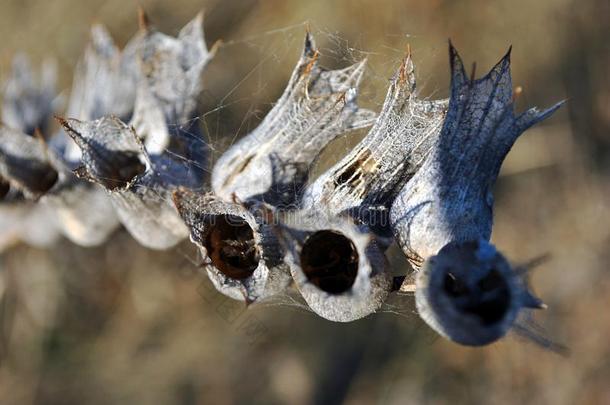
[450, 198]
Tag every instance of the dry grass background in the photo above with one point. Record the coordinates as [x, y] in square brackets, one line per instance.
[122, 324]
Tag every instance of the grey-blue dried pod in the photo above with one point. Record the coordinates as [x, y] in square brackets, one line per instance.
[25, 175]
[470, 294]
[272, 162]
[130, 84]
[450, 198]
[242, 255]
[365, 182]
[140, 186]
[337, 265]
[29, 102]
[167, 92]
[104, 83]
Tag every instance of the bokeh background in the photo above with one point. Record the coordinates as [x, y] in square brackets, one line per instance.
[122, 324]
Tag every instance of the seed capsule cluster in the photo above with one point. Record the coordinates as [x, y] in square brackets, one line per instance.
[422, 177]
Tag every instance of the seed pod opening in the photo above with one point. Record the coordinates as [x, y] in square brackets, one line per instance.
[242, 255]
[337, 266]
[470, 294]
[330, 261]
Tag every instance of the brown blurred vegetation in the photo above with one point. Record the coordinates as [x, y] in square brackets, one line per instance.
[122, 324]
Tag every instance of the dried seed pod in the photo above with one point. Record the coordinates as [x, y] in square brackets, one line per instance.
[470, 294]
[30, 102]
[25, 175]
[24, 163]
[104, 83]
[140, 186]
[272, 162]
[336, 265]
[450, 198]
[365, 182]
[167, 93]
[243, 257]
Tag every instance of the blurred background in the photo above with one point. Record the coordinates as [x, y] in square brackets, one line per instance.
[121, 324]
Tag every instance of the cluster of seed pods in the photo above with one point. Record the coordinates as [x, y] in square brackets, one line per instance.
[128, 153]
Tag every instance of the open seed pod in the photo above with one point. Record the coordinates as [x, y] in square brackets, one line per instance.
[25, 174]
[470, 294]
[365, 181]
[272, 162]
[104, 83]
[24, 163]
[29, 102]
[167, 93]
[450, 198]
[336, 265]
[140, 186]
[241, 252]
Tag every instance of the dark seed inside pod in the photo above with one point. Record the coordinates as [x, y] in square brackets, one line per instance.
[489, 299]
[4, 188]
[330, 261]
[231, 247]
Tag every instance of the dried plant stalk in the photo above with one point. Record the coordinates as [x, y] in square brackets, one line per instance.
[272, 163]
